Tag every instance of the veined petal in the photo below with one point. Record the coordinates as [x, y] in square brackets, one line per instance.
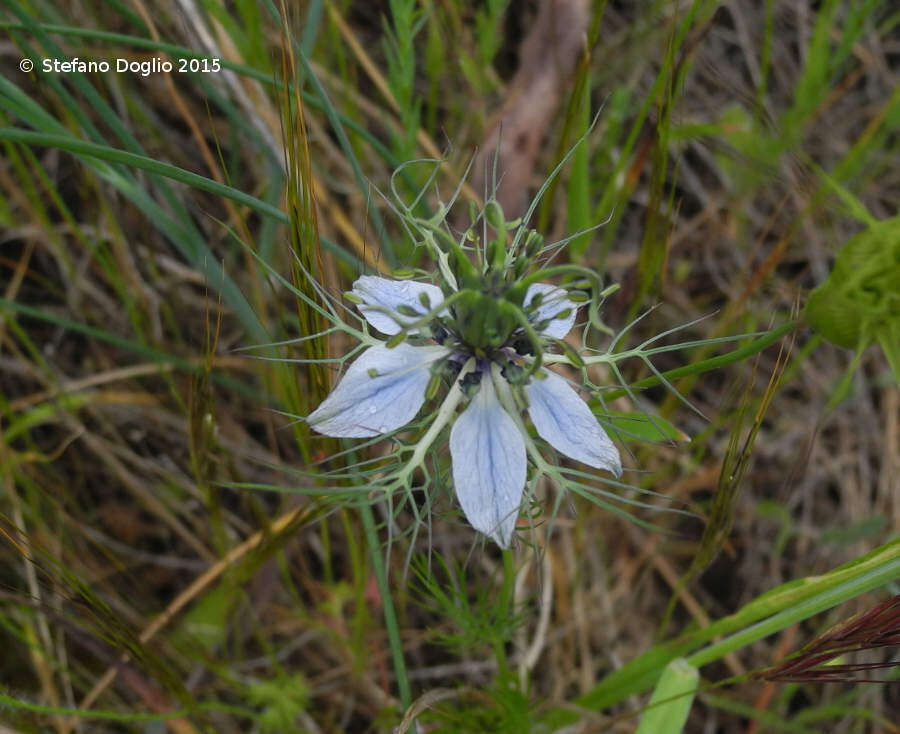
[362, 405]
[554, 301]
[565, 421]
[488, 454]
[390, 294]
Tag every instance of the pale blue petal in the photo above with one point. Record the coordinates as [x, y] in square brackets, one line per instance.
[554, 301]
[389, 294]
[488, 455]
[362, 405]
[565, 421]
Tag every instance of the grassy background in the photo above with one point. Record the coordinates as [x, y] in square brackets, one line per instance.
[738, 146]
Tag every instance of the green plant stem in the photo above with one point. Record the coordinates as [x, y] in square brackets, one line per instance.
[506, 599]
[798, 612]
[387, 605]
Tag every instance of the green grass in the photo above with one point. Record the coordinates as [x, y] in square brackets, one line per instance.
[171, 245]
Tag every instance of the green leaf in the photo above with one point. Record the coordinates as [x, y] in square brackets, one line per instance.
[671, 701]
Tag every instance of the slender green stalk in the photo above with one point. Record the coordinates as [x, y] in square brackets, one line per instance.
[505, 606]
[828, 598]
[387, 604]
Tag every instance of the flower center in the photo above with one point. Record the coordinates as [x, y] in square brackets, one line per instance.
[483, 322]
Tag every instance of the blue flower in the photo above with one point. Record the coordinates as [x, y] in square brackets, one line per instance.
[385, 388]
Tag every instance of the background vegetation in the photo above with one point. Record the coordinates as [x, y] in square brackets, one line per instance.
[147, 580]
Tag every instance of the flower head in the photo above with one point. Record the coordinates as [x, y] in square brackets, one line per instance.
[488, 339]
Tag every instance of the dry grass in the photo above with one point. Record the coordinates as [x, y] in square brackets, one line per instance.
[126, 414]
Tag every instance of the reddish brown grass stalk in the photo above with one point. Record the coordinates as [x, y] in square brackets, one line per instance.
[870, 630]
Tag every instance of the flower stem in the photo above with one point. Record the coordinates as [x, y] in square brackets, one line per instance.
[387, 605]
[505, 606]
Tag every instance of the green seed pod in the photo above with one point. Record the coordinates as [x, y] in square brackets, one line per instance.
[404, 273]
[425, 300]
[406, 310]
[352, 297]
